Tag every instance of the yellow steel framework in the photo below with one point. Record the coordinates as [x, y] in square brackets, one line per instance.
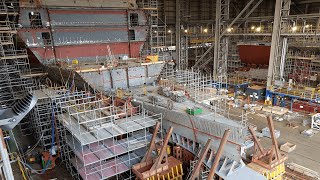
[273, 174]
[300, 91]
[175, 173]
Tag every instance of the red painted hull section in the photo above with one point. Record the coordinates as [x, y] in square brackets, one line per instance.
[254, 54]
[92, 50]
[306, 107]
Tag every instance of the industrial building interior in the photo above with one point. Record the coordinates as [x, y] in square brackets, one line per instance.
[160, 89]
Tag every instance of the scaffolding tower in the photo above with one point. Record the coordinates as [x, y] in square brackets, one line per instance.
[42, 115]
[303, 68]
[157, 31]
[14, 63]
[198, 87]
[103, 140]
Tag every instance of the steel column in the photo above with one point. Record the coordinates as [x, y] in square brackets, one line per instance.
[282, 10]
[275, 37]
[217, 39]
[283, 56]
[178, 33]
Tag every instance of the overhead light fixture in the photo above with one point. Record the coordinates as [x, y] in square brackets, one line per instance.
[252, 27]
[307, 26]
[294, 28]
[155, 31]
[11, 6]
[205, 30]
[186, 30]
[258, 29]
[229, 29]
[169, 31]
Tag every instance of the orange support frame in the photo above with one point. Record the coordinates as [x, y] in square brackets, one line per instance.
[267, 158]
[159, 166]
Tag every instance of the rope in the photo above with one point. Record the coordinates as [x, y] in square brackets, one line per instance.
[21, 169]
[42, 171]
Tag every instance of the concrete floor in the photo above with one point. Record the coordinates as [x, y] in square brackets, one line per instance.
[308, 148]
[60, 172]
